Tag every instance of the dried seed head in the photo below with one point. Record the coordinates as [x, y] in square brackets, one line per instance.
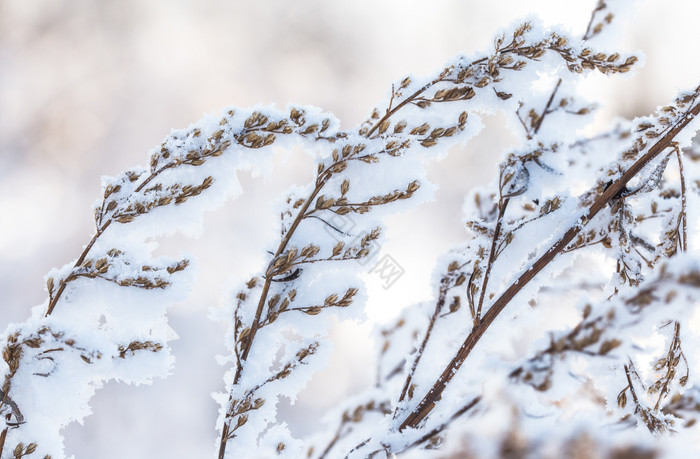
[503, 95]
[338, 248]
[244, 335]
[101, 266]
[330, 300]
[660, 364]
[420, 130]
[608, 346]
[383, 126]
[242, 419]
[272, 302]
[456, 304]
[400, 126]
[463, 119]
[285, 304]
[438, 132]
[125, 219]
[622, 399]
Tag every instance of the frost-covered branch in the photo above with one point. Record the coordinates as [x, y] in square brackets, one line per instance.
[613, 189]
[623, 200]
[90, 323]
[607, 216]
[416, 116]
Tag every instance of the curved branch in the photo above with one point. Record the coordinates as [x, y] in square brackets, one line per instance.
[428, 402]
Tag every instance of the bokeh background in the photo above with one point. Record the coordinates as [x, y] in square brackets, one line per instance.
[88, 87]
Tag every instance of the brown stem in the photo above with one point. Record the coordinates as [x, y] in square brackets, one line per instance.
[540, 119]
[502, 210]
[670, 368]
[320, 183]
[268, 278]
[433, 396]
[224, 440]
[156, 174]
[502, 205]
[413, 96]
[428, 435]
[600, 6]
[382, 407]
[407, 100]
[358, 446]
[332, 443]
[546, 108]
[255, 326]
[492, 256]
[62, 286]
[3, 435]
[263, 297]
[442, 426]
[684, 215]
[81, 259]
[635, 399]
[444, 285]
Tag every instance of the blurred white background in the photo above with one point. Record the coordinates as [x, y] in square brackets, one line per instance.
[88, 87]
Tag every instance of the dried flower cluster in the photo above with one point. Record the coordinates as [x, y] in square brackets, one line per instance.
[627, 358]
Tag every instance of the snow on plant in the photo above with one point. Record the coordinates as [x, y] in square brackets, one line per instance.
[627, 362]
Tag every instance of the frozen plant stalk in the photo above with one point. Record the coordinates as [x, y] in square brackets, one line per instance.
[534, 235]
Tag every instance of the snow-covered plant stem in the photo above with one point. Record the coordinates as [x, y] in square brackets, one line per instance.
[524, 235]
[627, 352]
[109, 305]
[403, 126]
[613, 191]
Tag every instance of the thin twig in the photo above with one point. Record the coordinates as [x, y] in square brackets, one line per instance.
[444, 286]
[492, 257]
[412, 97]
[538, 125]
[320, 183]
[383, 408]
[442, 426]
[670, 368]
[684, 215]
[62, 285]
[333, 441]
[360, 445]
[3, 435]
[635, 399]
[255, 325]
[601, 5]
[502, 205]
